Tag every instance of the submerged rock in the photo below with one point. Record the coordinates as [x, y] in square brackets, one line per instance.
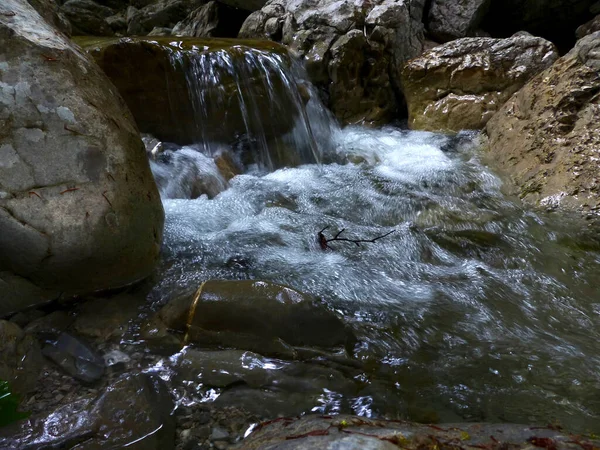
[79, 209]
[255, 315]
[20, 358]
[134, 412]
[461, 84]
[351, 432]
[545, 138]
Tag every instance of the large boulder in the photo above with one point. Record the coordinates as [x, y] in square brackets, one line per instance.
[588, 28]
[461, 84]
[255, 315]
[449, 19]
[546, 137]
[353, 50]
[79, 209]
[49, 10]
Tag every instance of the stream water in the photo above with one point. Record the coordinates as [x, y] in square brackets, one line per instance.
[475, 308]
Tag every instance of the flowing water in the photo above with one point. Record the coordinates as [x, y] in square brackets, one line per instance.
[475, 308]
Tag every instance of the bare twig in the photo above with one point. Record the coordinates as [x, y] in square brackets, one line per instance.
[324, 242]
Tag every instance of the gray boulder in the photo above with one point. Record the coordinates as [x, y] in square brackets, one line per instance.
[88, 17]
[354, 50]
[449, 19]
[461, 84]
[79, 209]
[49, 10]
[202, 22]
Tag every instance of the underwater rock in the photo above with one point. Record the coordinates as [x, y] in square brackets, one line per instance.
[79, 209]
[461, 84]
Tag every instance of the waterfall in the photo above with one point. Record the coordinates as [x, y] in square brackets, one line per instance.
[256, 101]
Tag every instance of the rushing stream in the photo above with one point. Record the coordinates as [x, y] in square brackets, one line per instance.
[475, 308]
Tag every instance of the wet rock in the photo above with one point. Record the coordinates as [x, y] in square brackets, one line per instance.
[69, 202]
[345, 431]
[21, 359]
[88, 17]
[24, 317]
[461, 84]
[49, 10]
[354, 50]
[255, 315]
[588, 28]
[545, 137]
[160, 31]
[75, 357]
[134, 412]
[163, 14]
[450, 20]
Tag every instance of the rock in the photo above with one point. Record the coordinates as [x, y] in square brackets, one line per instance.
[73, 216]
[75, 357]
[107, 317]
[461, 84]
[555, 20]
[545, 138]
[163, 14]
[352, 432]
[449, 19]
[135, 409]
[88, 17]
[21, 359]
[354, 50]
[213, 19]
[117, 23]
[255, 315]
[588, 28]
[49, 10]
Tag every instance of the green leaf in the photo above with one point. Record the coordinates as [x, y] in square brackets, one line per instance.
[9, 404]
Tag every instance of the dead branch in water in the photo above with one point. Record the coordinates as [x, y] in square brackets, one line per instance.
[324, 242]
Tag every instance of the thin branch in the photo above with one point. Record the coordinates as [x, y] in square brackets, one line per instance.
[324, 242]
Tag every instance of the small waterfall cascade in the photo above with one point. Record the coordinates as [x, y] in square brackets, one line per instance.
[253, 110]
[256, 99]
